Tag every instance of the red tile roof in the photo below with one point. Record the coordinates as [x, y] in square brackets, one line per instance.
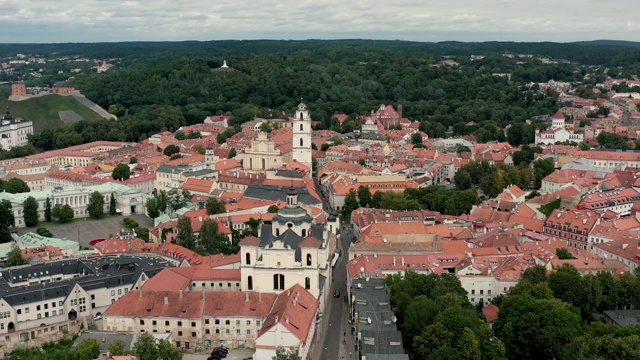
[295, 309]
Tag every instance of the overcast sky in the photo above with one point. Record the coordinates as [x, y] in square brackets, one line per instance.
[418, 20]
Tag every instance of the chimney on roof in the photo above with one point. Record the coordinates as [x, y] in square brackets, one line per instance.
[166, 300]
[260, 296]
[140, 293]
[181, 294]
[204, 296]
[246, 296]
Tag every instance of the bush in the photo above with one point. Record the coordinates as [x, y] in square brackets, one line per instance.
[143, 233]
[129, 223]
[43, 231]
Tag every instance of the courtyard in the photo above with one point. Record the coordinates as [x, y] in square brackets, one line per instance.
[85, 230]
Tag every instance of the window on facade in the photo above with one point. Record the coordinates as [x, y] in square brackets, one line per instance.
[166, 323]
[217, 321]
[206, 321]
[307, 283]
[38, 307]
[193, 334]
[248, 322]
[278, 282]
[179, 323]
[227, 322]
[308, 259]
[113, 293]
[238, 331]
[227, 331]
[217, 331]
[257, 322]
[247, 259]
[154, 323]
[141, 322]
[301, 142]
[193, 324]
[301, 127]
[489, 292]
[250, 282]
[179, 333]
[481, 292]
[207, 331]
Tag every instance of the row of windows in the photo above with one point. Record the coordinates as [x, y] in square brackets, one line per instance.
[206, 321]
[213, 284]
[473, 292]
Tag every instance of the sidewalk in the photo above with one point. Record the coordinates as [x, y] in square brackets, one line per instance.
[346, 347]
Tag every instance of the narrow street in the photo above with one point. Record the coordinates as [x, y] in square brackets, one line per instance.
[334, 325]
[336, 313]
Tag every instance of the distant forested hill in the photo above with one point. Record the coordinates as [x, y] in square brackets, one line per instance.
[601, 52]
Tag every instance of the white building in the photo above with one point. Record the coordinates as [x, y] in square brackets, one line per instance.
[42, 302]
[291, 324]
[13, 132]
[262, 155]
[128, 199]
[302, 135]
[291, 250]
[557, 132]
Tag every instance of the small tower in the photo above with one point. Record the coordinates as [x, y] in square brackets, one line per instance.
[292, 198]
[210, 158]
[302, 135]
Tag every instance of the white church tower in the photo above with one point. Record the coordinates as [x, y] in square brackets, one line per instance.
[302, 135]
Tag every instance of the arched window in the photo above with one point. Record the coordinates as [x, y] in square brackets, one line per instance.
[277, 232]
[263, 164]
[278, 282]
[301, 127]
[301, 118]
[248, 259]
[304, 232]
[250, 282]
[308, 259]
[301, 142]
[307, 283]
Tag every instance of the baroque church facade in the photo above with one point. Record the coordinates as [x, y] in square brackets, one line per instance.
[557, 132]
[291, 250]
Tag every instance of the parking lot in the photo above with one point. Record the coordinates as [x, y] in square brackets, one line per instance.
[89, 229]
[234, 354]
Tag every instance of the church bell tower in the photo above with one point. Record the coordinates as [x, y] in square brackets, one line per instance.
[302, 135]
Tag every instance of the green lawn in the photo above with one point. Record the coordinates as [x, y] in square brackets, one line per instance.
[43, 111]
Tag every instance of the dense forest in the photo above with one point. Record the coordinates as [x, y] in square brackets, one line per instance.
[165, 85]
[545, 316]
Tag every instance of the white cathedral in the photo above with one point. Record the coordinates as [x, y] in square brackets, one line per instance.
[557, 132]
[290, 250]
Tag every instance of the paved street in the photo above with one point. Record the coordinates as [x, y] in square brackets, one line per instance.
[336, 313]
[87, 230]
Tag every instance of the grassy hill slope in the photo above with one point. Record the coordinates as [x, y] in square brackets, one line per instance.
[43, 111]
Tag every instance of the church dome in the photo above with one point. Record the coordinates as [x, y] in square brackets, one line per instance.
[302, 107]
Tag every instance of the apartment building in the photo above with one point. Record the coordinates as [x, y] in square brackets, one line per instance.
[40, 301]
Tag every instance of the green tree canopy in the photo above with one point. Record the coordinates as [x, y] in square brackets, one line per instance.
[15, 186]
[95, 207]
[88, 349]
[65, 214]
[47, 210]
[152, 208]
[121, 172]
[15, 258]
[117, 347]
[536, 328]
[30, 211]
[185, 236]
[215, 206]
[171, 150]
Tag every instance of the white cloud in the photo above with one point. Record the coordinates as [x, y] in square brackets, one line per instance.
[465, 20]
